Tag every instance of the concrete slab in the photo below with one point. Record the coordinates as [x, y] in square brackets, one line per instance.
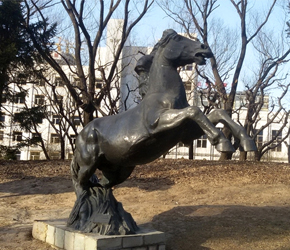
[58, 235]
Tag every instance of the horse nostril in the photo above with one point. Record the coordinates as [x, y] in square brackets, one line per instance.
[204, 46]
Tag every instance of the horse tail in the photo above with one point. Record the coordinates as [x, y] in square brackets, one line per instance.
[74, 169]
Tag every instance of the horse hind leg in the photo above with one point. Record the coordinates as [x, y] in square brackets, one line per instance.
[85, 162]
[220, 115]
[83, 175]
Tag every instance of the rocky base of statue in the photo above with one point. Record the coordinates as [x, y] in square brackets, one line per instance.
[96, 210]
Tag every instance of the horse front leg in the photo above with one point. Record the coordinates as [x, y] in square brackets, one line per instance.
[220, 115]
[173, 118]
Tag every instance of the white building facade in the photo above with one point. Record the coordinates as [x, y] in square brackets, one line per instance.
[203, 150]
[37, 93]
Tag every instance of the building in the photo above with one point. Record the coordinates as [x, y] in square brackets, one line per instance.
[56, 130]
[202, 149]
[39, 94]
[53, 128]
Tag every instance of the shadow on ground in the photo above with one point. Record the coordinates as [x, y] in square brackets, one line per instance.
[40, 185]
[190, 227]
[148, 183]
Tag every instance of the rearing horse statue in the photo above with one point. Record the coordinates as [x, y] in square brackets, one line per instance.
[116, 144]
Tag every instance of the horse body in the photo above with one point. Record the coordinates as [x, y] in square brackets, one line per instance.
[117, 135]
[115, 144]
[125, 139]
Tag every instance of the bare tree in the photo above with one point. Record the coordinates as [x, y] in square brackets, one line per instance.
[89, 21]
[195, 17]
[63, 115]
[272, 56]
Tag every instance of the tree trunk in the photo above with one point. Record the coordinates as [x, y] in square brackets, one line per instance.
[243, 156]
[88, 117]
[190, 151]
[258, 155]
[44, 150]
[226, 155]
[288, 148]
[62, 149]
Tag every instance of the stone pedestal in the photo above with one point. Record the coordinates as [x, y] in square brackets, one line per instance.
[58, 235]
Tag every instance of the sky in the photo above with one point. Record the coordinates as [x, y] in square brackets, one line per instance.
[156, 20]
[152, 25]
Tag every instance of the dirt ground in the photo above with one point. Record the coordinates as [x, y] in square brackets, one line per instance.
[198, 204]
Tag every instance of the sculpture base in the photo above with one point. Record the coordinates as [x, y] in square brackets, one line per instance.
[57, 234]
[96, 210]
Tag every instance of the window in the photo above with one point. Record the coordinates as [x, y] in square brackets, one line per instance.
[115, 40]
[17, 136]
[19, 98]
[187, 67]
[21, 79]
[202, 101]
[35, 135]
[40, 82]
[277, 143]
[73, 138]
[17, 117]
[38, 120]
[76, 120]
[56, 119]
[259, 138]
[54, 155]
[3, 100]
[70, 156]
[59, 82]
[2, 118]
[59, 99]
[99, 83]
[266, 102]
[54, 138]
[187, 85]
[39, 99]
[35, 139]
[76, 82]
[1, 135]
[202, 142]
[18, 155]
[240, 101]
[34, 155]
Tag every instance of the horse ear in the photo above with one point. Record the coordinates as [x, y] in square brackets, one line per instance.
[172, 52]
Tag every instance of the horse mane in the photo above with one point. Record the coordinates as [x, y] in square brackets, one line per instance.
[145, 62]
[166, 37]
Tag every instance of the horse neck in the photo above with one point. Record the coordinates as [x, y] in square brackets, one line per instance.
[165, 79]
[163, 75]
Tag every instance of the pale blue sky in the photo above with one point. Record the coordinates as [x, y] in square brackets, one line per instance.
[156, 20]
[151, 27]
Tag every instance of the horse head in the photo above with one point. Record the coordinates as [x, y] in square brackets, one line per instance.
[180, 50]
[177, 50]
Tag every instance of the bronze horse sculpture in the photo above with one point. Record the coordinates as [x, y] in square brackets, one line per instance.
[116, 144]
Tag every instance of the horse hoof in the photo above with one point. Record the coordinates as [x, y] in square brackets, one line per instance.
[248, 145]
[225, 146]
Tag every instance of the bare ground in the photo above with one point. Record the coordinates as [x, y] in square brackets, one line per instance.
[198, 204]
